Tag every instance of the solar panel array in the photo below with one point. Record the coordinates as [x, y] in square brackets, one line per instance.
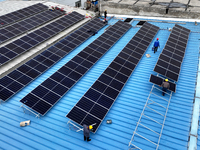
[22, 76]
[169, 62]
[16, 48]
[30, 23]
[47, 94]
[95, 104]
[158, 80]
[21, 14]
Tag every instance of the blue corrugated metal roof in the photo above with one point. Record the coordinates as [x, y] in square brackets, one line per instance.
[52, 132]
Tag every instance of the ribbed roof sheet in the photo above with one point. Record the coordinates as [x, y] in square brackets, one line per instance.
[52, 132]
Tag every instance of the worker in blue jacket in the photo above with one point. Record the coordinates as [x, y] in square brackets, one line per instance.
[86, 132]
[156, 45]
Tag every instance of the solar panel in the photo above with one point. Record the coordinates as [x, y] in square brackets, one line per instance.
[40, 63]
[102, 94]
[35, 38]
[30, 23]
[158, 81]
[170, 59]
[21, 14]
[71, 73]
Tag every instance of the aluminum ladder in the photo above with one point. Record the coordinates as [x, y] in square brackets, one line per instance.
[144, 114]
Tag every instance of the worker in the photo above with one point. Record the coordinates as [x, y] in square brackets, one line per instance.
[156, 45]
[105, 13]
[86, 132]
[165, 85]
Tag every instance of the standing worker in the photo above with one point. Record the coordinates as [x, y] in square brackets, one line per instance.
[105, 13]
[156, 45]
[165, 85]
[86, 131]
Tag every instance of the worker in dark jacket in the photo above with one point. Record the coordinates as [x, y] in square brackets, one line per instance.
[156, 45]
[105, 13]
[86, 132]
[165, 85]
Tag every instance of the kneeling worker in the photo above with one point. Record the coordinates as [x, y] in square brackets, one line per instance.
[86, 132]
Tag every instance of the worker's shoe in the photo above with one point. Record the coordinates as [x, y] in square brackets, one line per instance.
[89, 140]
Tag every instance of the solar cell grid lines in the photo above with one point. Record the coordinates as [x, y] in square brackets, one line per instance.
[170, 60]
[25, 43]
[30, 23]
[96, 102]
[67, 76]
[39, 64]
[21, 14]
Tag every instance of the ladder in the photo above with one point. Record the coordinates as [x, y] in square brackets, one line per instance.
[147, 108]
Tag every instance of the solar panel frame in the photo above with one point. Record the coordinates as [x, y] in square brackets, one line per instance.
[18, 14]
[43, 59]
[31, 40]
[112, 92]
[72, 65]
[175, 51]
[28, 24]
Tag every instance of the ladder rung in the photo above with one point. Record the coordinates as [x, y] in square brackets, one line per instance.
[158, 104]
[159, 96]
[146, 139]
[152, 119]
[155, 111]
[134, 146]
[149, 128]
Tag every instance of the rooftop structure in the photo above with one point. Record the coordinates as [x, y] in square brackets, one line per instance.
[188, 9]
[51, 131]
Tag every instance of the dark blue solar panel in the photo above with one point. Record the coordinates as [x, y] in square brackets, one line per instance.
[51, 98]
[26, 24]
[174, 50]
[85, 104]
[27, 42]
[42, 107]
[15, 74]
[24, 80]
[108, 86]
[5, 94]
[60, 89]
[98, 111]
[71, 72]
[92, 94]
[105, 101]
[67, 82]
[14, 86]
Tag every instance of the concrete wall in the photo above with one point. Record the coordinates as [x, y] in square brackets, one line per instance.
[126, 9]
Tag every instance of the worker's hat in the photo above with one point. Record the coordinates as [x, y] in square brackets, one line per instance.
[90, 127]
[166, 80]
[157, 38]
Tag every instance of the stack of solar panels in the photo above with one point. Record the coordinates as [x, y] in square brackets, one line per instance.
[21, 14]
[97, 101]
[170, 60]
[46, 95]
[23, 26]
[22, 76]
[35, 38]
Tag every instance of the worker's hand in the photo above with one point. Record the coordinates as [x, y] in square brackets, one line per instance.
[159, 85]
